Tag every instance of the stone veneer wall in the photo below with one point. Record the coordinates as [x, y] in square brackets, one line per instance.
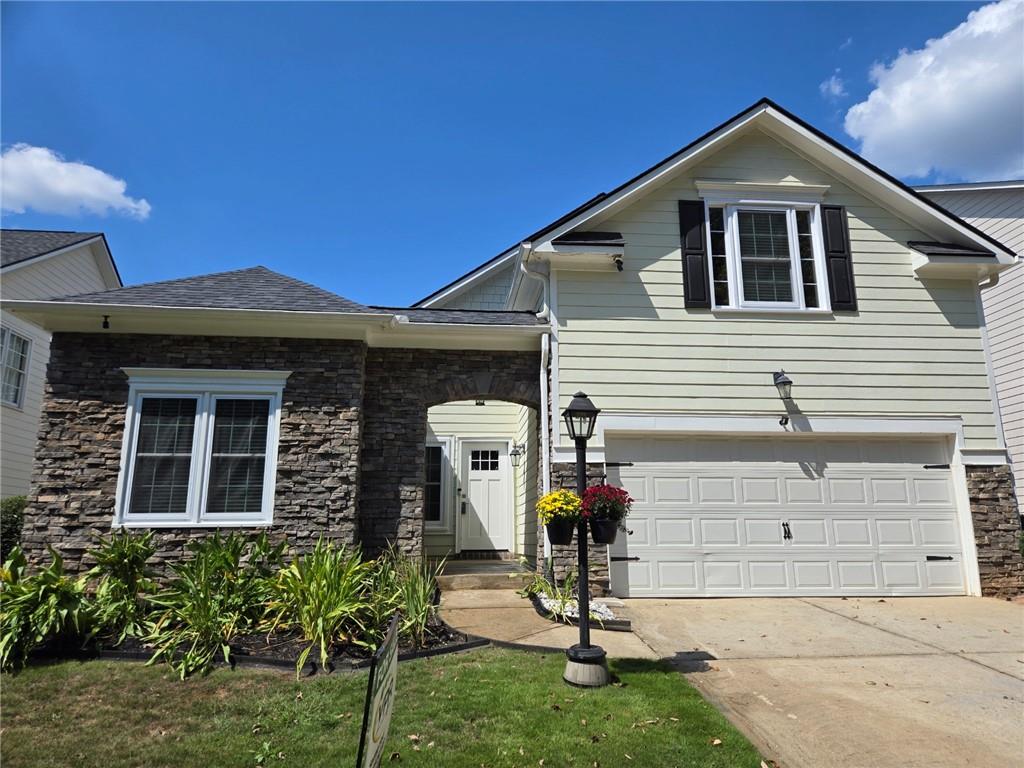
[564, 558]
[79, 449]
[997, 530]
[401, 384]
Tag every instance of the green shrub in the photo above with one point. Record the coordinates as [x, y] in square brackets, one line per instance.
[217, 594]
[125, 578]
[417, 581]
[383, 598]
[323, 594]
[12, 515]
[49, 607]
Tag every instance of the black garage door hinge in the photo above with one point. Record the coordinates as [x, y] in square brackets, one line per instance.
[938, 557]
[936, 466]
[623, 559]
[618, 463]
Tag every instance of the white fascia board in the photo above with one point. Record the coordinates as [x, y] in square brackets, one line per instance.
[874, 185]
[53, 254]
[458, 336]
[105, 262]
[749, 193]
[473, 278]
[651, 180]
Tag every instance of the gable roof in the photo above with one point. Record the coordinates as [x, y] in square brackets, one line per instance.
[18, 245]
[765, 106]
[252, 288]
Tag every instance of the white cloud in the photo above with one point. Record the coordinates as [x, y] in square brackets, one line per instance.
[955, 107]
[846, 44]
[834, 87]
[40, 179]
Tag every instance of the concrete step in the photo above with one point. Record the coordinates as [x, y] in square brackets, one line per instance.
[455, 581]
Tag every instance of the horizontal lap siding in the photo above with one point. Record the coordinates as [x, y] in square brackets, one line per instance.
[490, 294]
[526, 484]
[913, 348]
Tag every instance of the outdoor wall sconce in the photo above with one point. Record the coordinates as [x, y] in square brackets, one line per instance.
[480, 402]
[106, 322]
[785, 387]
[517, 453]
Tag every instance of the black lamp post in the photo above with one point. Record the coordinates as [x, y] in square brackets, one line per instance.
[587, 665]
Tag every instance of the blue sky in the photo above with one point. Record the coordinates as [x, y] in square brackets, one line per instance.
[381, 150]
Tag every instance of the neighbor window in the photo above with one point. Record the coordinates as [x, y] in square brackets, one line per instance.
[200, 452]
[765, 257]
[14, 354]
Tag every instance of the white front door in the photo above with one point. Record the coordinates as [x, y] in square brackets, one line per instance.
[729, 515]
[485, 507]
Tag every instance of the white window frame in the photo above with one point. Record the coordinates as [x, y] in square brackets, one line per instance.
[20, 402]
[205, 387]
[737, 301]
[444, 525]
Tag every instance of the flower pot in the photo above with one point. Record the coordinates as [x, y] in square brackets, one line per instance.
[604, 531]
[560, 530]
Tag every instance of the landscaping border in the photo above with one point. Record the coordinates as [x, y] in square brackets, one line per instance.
[612, 625]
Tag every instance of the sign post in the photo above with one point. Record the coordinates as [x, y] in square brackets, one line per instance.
[380, 699]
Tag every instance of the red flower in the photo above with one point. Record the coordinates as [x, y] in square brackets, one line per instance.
[606, 502]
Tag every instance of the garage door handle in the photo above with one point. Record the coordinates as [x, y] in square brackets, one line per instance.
[786, 533]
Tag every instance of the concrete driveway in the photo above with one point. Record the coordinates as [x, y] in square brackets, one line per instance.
[857, 683]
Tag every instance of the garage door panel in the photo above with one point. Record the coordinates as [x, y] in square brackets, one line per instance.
[864, 517]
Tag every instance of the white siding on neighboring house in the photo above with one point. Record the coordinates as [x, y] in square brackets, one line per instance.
[913, 348]
[1000, 213]
[67, 274]
[490, 293]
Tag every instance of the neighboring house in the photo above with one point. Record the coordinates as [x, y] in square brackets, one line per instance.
[997, 208]
[37, 265]
[252, 400]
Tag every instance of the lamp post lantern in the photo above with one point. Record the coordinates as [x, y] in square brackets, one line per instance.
[587, 664]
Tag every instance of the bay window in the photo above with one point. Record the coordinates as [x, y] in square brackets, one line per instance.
[200, 448]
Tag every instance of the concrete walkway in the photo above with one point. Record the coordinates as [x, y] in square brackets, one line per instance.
[502, 615]
[857, 683]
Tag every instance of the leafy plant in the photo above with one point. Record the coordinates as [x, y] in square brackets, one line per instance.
[322, 594]
[417, 582]
[606, 502]
[12, 516]
[47, 607]
[122, 567]
[559, 598]
[383, 597]
[217, 594]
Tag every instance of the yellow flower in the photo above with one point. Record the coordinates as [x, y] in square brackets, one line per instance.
[558, 504]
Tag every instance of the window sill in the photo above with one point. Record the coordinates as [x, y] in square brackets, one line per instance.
[13, 407]
[727, 311]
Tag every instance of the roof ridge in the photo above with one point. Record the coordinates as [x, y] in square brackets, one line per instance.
[151, 283]
[49, 231]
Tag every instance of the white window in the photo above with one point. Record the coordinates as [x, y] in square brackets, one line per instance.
[766, 257]
[437, 474]
[200, 448]
[14, 351]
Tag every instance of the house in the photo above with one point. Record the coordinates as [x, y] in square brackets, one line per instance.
[37, 265]
[997, 208]
[252, 400]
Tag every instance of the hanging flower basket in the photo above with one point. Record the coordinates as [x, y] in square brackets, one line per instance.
[559, 512]
[603, 531]
[560, 530]
[604, 508]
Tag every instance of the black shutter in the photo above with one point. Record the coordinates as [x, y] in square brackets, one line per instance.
[696, 294]
[838, 258]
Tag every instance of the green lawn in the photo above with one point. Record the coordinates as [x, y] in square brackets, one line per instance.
[488, 707]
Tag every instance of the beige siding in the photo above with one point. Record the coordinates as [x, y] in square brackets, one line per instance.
[460, 420]
[1000, 213]
[913, 349]
[526, 484]
[70, 273]
[489, 294]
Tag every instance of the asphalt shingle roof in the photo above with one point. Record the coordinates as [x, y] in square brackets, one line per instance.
[252, 288]
[17, 245]
[465, 316]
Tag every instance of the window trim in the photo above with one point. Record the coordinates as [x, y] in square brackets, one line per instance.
[204, 386]
[733, 260]
[20, 404]
[444, 525]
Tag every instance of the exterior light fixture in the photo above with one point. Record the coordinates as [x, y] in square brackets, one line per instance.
[586, 664]
[784, 385]
[106, 322]
[580, 417]
[517, 453]
[480, 402]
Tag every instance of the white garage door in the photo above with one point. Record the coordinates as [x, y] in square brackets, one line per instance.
[786, 516]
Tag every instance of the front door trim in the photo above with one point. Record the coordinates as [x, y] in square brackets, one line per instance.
[465, 448]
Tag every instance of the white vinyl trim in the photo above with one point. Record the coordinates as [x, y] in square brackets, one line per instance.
[205, 387]
[465, 446]
[18, 404]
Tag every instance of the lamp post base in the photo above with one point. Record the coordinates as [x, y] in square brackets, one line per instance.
[586, 667]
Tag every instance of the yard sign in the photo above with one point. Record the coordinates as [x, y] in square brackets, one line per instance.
[380, 700]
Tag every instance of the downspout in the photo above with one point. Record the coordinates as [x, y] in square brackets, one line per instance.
[983, 328]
